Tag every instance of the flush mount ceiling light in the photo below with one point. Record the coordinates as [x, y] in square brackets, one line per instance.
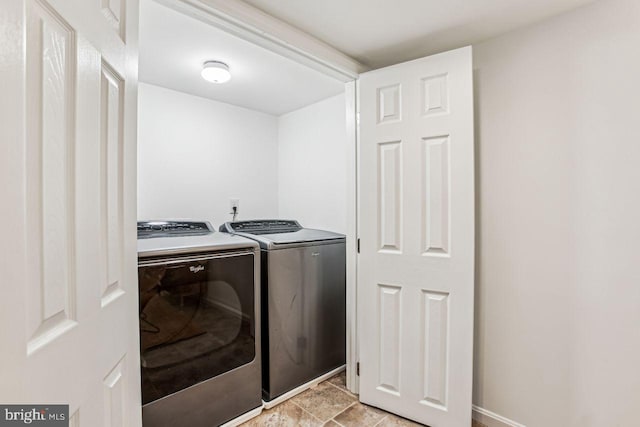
[215, 72]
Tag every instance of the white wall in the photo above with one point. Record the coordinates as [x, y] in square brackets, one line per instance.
[312, 170]
[194, 154]
[558, 280]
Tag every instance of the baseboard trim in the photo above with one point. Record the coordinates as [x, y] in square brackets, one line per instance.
[491, 419]
[244, 417]
[314, 382]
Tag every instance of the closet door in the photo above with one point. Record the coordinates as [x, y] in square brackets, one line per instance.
[69, 285]
[416, 219]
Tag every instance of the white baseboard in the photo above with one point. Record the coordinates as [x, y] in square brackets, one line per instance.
[244, 417]
[491, 419]
[314, 382]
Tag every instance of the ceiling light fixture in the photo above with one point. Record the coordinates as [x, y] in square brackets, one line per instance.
[215, 72]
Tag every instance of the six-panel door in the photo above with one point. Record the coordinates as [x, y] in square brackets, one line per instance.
[416, 220]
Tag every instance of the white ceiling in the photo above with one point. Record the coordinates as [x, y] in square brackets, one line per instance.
[173, 47]
[376, 33]
[383, 32]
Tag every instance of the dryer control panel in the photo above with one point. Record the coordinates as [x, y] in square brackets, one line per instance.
[150, 229]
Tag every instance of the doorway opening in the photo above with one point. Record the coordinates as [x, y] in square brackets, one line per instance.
[277, 140]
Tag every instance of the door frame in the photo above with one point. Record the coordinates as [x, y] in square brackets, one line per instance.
[252, 25]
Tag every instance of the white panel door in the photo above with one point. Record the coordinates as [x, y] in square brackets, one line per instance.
[416, 219]
[68, 317]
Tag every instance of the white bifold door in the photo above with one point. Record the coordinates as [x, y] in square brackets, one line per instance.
[69, 315]
[416, 229]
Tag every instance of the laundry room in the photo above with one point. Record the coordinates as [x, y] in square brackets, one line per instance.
[260, 213]
[242, 209]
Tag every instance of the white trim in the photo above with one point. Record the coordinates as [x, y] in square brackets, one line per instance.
[352, 236]
[314, 382]
[244, 417]
[491, 419]
[253, 25]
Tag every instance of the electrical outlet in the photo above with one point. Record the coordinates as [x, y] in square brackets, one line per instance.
[234, 203]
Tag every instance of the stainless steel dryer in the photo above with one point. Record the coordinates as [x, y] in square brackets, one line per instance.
[303, 301]
[199, 324]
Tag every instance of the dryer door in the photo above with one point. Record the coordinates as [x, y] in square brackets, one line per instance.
[197, 320]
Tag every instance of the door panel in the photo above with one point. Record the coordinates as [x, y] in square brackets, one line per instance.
[390, 201]
[435, 334]
[415, 284]
[111, 140]
[69, 252]
[390, 311]
[49, 175]
[435, 196]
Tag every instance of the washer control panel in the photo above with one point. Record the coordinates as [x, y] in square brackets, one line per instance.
[262, 226]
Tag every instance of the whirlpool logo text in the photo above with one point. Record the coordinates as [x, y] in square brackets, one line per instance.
[195, 269]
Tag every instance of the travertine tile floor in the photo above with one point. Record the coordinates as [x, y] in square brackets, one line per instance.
[329, 404]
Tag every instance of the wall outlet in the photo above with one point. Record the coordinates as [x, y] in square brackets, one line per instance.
[234, 203]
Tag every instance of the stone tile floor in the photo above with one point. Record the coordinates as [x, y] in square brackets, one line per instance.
[328, 404]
